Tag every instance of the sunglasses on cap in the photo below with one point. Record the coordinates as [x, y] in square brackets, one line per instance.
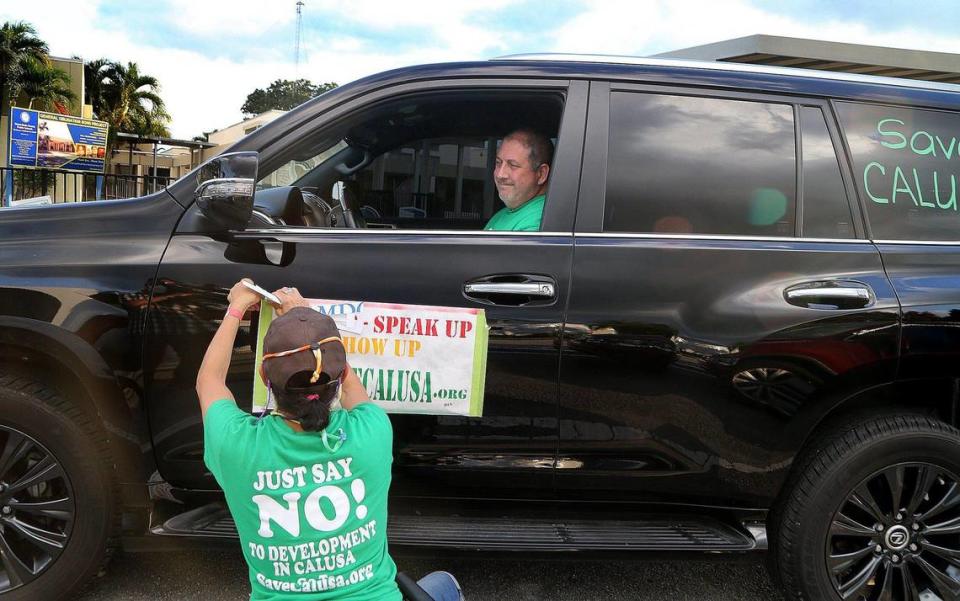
[313, 346]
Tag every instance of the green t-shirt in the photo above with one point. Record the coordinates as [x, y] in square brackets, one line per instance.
[525, 218]
[312, 522]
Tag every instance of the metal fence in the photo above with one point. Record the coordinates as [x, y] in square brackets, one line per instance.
[20, 186]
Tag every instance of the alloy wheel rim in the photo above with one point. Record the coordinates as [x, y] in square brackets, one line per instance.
[761, 383]
[896, 536]
[37, 509]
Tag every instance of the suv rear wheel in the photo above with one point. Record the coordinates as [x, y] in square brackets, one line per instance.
[56, 501]
[874, 515]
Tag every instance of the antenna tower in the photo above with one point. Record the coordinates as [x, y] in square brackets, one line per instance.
[296, 48]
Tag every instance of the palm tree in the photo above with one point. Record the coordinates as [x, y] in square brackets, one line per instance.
[94, 76]
[18, 43]
[129, 96]
[131, 100]
[46, 85]
[151, 124]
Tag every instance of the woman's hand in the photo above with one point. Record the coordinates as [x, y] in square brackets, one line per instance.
[290, 298]
[241, 297]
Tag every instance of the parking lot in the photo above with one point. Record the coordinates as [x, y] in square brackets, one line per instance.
[217, 572]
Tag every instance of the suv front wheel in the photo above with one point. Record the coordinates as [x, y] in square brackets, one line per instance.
[56, 494]
[874, 515]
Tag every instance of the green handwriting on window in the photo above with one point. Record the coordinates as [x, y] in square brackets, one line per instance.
[926, 188]
[920, 142]
[921, 187]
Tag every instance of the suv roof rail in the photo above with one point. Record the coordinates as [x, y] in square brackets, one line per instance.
[735, 67]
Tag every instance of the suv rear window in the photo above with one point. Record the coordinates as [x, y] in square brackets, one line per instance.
[826, 211]
[691, 165]
[906, 167]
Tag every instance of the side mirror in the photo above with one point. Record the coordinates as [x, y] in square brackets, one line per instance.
[225, 188]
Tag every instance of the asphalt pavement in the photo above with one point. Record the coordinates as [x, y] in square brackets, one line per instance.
[215, 573]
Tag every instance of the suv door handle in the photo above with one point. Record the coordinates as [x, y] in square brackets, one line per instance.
[830, 295]
[538, 289]
[511, 289]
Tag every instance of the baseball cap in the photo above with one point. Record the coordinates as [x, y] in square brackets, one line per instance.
[298, 336]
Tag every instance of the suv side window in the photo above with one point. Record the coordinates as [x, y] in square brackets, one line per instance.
[905, 168]
[430, 183]
[685, 164]
[826, 210]
[417, 161]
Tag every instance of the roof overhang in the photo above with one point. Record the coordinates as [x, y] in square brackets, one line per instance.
[828, 56]
[138, 139]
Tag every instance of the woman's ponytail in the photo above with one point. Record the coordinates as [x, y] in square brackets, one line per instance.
[307, 407]
[314, 414]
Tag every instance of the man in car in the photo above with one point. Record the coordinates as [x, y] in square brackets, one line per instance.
[521, 173]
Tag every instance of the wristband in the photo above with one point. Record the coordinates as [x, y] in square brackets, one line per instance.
[233, 312]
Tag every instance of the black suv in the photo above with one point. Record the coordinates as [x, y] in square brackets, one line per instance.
[752, 333]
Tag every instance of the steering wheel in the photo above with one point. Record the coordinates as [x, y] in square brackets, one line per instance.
[319, 213]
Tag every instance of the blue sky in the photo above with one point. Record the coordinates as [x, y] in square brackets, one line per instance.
[208, 55]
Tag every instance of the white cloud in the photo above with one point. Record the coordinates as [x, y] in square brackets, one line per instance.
[234, 18]
[619, 27]
[205, 92]
[200, 92]
[450, 23]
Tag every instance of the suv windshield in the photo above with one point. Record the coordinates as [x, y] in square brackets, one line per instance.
[293, 170]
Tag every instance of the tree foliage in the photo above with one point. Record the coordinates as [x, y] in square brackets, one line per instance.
[283, 94]
[94, 76]
[45, 87]
[131, 101]
[125, 98]
[19, 46]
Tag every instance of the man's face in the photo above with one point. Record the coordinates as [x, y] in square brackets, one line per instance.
[517, 180]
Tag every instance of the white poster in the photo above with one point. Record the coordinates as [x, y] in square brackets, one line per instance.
[410, 358]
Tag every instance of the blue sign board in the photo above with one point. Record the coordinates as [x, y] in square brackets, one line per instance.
[52, 141]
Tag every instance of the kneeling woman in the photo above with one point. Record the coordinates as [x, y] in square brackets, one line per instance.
[307, 485]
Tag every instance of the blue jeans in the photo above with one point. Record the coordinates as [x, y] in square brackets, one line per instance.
[442, 586]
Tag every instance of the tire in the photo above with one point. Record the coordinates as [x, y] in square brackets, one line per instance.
[839, 534]
[43, 436]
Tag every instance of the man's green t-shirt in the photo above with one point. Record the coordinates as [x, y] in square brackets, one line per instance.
[312, 522]
[525, 218]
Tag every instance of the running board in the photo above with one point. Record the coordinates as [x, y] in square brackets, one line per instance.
[502, 534]
[213, 520]
[653, 534]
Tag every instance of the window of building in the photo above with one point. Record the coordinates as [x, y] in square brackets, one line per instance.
[826, 210]
[905, 166]
[691, 165]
